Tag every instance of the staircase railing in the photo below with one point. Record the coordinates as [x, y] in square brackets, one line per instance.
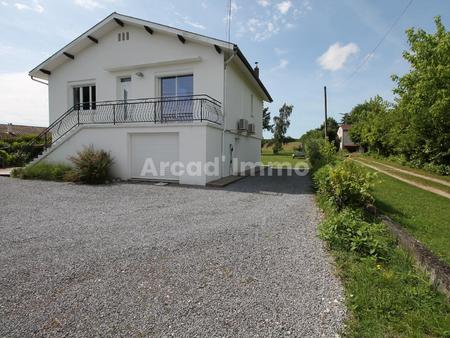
[157, 110]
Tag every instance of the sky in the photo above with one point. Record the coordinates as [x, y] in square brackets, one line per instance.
[301, 46]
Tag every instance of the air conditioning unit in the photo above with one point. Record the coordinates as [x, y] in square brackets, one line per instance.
[242, 125]
[251, 128]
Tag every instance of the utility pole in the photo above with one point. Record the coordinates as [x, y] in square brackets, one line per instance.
[326, 111]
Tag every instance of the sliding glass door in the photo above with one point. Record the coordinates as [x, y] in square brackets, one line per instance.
[176, 93]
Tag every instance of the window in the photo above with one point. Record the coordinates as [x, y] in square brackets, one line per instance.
[122, 36]
[177, 86]
[84, 97]
[251, 105]
[177, 100]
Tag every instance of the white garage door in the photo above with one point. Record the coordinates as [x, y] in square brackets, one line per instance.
[151, 153]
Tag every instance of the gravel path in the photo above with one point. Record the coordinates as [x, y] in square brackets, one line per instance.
[146, 260]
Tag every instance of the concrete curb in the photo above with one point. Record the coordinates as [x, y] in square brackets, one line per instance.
[438, 270]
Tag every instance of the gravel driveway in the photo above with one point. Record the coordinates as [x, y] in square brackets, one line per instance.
[146, 260]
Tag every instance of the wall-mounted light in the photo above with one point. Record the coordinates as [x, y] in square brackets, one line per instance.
[140, 74]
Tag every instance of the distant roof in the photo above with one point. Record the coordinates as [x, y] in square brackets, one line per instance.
[15, 130]
[346, 126]
[92, 36]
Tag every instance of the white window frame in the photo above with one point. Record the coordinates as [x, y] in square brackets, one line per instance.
[80, 85]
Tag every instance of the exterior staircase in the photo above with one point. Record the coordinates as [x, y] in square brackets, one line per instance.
[187, 109]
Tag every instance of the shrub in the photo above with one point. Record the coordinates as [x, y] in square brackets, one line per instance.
[345, 184]
[5, 159]
[319, 152]
[347, 230]
[91, 166]
[42, 171]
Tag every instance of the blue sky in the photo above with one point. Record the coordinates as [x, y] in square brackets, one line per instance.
[300, 45]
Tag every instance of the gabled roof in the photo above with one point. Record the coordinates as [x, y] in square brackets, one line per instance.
[94, 35]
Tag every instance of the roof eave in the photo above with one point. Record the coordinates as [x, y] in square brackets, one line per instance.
[252, 72]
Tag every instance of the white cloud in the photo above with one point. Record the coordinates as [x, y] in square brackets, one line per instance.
[264, 3]
[261, 29]
[23, 101]
[277, 16]
[204, 4]
[284, 6]
[93, 4]
[281, 65]
[193, 23]
[29, 6]
[4, 3]
[336, 56]
[280, 51]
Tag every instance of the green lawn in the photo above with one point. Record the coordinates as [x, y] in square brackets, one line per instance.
[416, 179]
[282, 159]
[397, 165]
[424, 214]
[390, 299]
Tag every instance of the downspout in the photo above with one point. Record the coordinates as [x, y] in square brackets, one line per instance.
[32, 78]
[224, 106]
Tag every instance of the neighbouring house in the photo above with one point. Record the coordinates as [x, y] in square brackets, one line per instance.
[345, 142]
[11, 131]
[153, 94]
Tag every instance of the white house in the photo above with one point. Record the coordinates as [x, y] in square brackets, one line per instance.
[143, 90]
[345, 142]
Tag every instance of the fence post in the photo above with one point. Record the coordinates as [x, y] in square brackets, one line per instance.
[114, 114]
[201, 110]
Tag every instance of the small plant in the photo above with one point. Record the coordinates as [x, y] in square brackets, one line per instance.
[42, 171]
[347, 230]
[91, 166]
[345, 185]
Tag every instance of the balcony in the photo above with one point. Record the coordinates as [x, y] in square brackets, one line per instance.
[181, 109]
[157, 110]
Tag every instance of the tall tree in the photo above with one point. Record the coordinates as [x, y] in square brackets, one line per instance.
[332, 128]
[281, 124]
[266, 120]
[423, 97]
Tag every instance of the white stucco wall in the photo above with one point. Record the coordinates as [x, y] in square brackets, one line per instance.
[156, 56]
[116, 140]
[91, 67]
[239, 96]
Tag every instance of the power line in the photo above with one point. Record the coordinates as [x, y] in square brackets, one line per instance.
[367, 58]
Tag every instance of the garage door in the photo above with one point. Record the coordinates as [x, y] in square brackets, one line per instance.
[150, 153]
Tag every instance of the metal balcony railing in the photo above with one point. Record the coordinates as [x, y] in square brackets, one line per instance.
[184, 109]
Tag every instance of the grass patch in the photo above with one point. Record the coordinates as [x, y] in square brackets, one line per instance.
[412, 178]
[283, 159]
[42, 171]
[397, 165]
[390, 299]
[424, 214]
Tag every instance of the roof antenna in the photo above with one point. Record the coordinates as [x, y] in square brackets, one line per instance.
[229, 14]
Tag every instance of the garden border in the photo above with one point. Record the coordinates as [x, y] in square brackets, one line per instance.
[437, 270]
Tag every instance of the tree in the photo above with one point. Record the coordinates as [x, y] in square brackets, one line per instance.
[423, 97]
[370, 124]
[281, 124]
[266, 120]
[332, 128]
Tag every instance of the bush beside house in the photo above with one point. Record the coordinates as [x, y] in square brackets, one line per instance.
[385, 294]
[90, 166]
